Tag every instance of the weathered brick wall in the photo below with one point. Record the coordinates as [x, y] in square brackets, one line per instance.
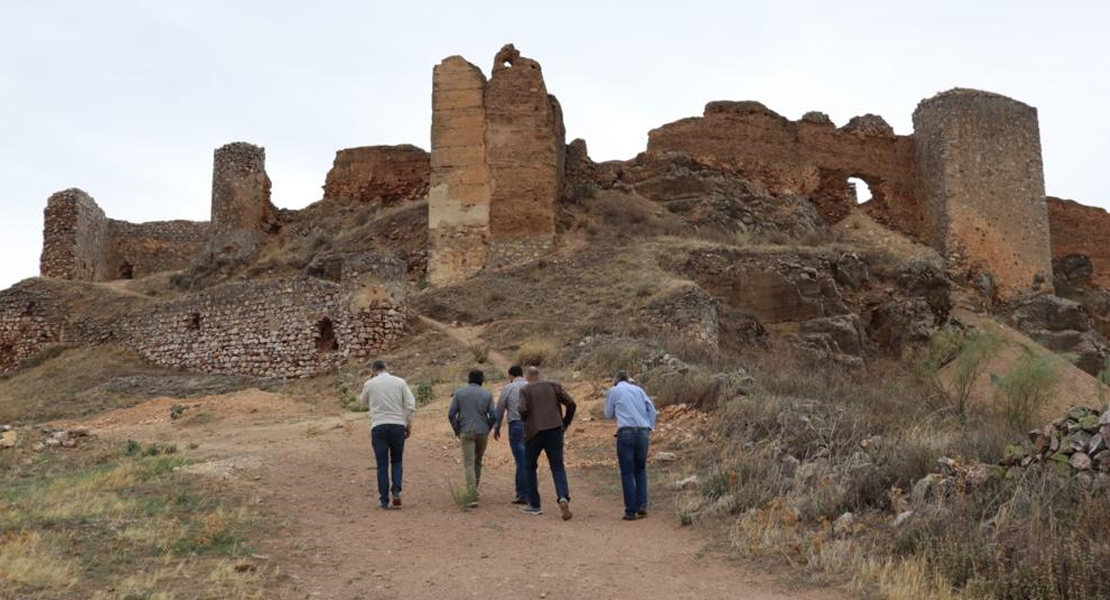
[526, 153]
[140, 249]
[242, 214]
[387, 174]
[1085, 230]
[459, 193]
[810, 156]
[982, 186]
[75, 235]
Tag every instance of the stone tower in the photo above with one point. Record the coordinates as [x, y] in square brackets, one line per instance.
[242, 214]
[459, 189]
[981, 182]
[74, 237]
[498, 159]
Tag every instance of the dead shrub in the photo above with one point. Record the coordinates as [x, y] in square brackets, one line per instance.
[538, 353]
[608, 359]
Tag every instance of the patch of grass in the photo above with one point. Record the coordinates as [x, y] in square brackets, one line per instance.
[479, 352]
[425, 393]
[1027, 388]
[106, 522]
[538, 352]
[606, 360]
[463, 496]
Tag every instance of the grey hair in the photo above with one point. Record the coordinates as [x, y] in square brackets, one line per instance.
[621, 376]
[378, 365]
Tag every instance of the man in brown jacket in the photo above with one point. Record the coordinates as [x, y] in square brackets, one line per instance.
[542, 410]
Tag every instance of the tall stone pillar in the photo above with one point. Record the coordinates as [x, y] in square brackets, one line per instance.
[981, 179]
[525, 142]
[459, 187]
[242, 214]
[74, 237]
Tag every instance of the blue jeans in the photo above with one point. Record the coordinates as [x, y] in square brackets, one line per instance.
[389, 450]
[632, 451]
[550, 442]
[516, 444]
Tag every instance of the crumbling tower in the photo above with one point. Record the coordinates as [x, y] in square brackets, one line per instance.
[526, 151]
[74, 237]
[242, 214]
[981, 183]
[459, 188]
[498, 159]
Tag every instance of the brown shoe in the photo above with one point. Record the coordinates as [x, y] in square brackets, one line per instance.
[396, 502]
[564, 507]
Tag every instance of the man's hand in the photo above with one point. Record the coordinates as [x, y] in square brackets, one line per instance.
[408, 431]
[497, 435]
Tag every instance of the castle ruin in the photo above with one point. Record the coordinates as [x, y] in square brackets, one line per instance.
[968, 182]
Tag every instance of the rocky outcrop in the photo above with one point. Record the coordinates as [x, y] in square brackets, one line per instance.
[1063, 325]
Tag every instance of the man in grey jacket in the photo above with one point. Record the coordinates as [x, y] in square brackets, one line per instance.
[472, 416]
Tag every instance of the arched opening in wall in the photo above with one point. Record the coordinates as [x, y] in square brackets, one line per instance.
[192, 322]
[860, 188]
[326, 341]
[126, 271]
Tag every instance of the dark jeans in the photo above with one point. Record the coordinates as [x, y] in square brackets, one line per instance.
[516, 444]
[632, 451]
[389, 450]
[550, 442]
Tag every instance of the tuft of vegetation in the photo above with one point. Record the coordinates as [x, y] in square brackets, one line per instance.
[464, 496]
[969, 351]
[1027, 388]
[424, 393]
[479, 351]
[538, 353]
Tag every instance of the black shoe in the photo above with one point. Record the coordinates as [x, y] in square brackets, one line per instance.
[629, 518]
[641, 514]
[531, 510]
[385, 506]
[519, 500]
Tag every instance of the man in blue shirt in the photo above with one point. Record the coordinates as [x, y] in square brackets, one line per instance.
[635, 413]
[508, 411]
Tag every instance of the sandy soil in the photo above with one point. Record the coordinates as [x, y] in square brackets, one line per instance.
[313, 472]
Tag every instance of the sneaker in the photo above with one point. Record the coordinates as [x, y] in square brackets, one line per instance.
[641, 514]
[531, 510]
[384, 506]
[396, 502]
[564, 507]
[519, 500]
[629, 518]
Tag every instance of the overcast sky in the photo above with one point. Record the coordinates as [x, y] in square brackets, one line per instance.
[127, 99]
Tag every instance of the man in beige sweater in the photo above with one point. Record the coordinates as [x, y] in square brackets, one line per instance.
[392, 410]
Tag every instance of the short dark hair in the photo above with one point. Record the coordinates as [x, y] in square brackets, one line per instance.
[476, 376]
[378, 365]
[621, 376]
[516, 371]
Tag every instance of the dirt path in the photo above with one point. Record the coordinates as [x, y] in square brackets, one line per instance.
[313, 470]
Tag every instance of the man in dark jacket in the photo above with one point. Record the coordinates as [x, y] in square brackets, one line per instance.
[542, 410]
[472, 414]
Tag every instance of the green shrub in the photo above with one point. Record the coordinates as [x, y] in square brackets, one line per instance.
[970, 351]
[424, 393]
[1027, 388]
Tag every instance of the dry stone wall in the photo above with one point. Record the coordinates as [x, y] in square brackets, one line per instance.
[386, 174]
[982, 187]
[28, 325]
[140, 249]
[279, 328]
[75, 235]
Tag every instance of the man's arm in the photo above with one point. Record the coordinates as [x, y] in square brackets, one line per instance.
[649, 406]
[568, 402]
[492, 415]
[611, 404]
[522, 407]
[410, 405]
[502, 406]
[364, 398]
[453, 413]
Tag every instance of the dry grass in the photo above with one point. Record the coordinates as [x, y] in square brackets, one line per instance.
[101, 523]
[538, 353]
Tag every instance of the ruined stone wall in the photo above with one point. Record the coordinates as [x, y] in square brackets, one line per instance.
[242, 214]
[75, 235]
[386, 174]
[810, 157]
[277, 328]
[459, 193]
[1083, 230]
[526, 153]
[28, 325]
[982, 187]
[140, 249]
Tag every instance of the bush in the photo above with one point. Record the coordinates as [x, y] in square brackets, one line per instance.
[424, 393]
[970, 351]
[479, 352]
[537, 353]
[1025, 390]
[607, 360]
[695, 388]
